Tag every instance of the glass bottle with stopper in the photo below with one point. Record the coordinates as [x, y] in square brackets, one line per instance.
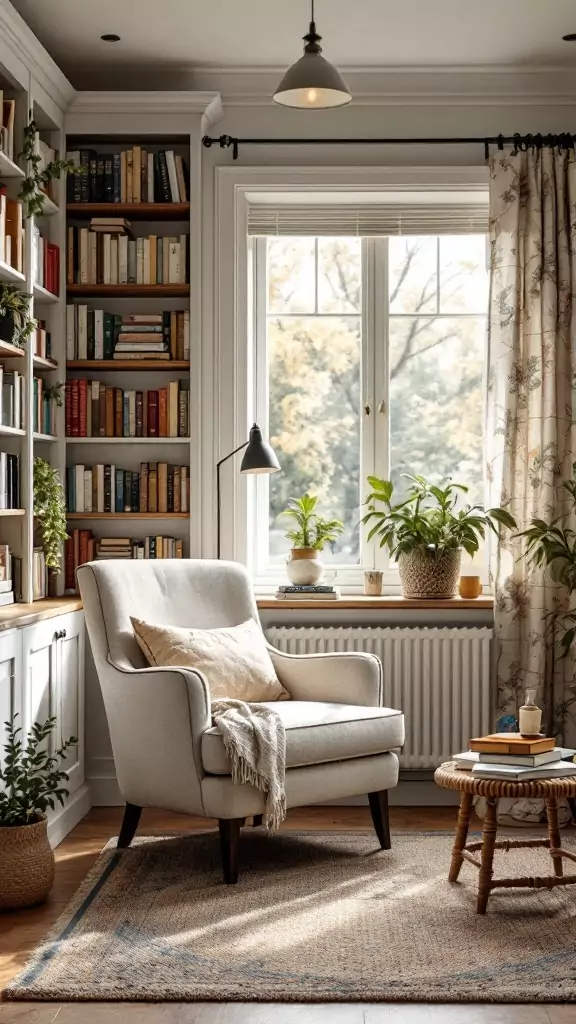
[530, 716]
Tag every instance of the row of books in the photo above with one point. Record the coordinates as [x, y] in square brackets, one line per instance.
[83, 547]
[43, 408]
[95, 409]
[157, 487]
[7, 110]
[516, 758]
[46, 262]
[11, 232]
[317, 592]
[96, 334]
[10, 576]
[9, 481]
[96, 257]
[12, 391]
[42, 340]
[129, 176]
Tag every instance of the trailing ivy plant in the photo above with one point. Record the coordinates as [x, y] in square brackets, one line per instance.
[50, 511]
[30, 779]
[15, 304]
[33, 191]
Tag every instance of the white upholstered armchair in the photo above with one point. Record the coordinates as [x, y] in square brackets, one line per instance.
[340, 741]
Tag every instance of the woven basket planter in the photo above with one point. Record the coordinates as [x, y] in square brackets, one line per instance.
[425, 577]
[26, 865]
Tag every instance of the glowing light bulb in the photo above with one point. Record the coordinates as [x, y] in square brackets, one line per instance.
[312, 95]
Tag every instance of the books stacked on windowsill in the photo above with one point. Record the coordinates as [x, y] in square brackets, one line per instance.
[516, 758]
[309, 593]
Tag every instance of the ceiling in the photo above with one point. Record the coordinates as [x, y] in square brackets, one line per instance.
[266, 33]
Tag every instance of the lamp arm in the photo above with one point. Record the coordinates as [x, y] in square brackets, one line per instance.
[218, 501]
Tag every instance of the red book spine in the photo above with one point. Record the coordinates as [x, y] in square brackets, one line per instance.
[75, 416]
[82, 400]
[84, 537]
[153, 414]
[70, 582]
[68, 409]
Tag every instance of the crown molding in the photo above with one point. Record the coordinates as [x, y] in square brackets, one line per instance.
[206, 103]
[18, 38]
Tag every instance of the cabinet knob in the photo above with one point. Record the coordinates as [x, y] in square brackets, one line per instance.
[60, 635]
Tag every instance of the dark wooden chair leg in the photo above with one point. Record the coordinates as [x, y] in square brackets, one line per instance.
[257, 820]
[379, 812]
[129, 825]
[229, 838]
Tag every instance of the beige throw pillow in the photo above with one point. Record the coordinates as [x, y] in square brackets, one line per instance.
[234, 659]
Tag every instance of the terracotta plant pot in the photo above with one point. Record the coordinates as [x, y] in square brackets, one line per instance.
[304, 567]
[26, 865]
[423, 576]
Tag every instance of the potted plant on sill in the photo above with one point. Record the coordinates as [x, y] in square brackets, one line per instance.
[310, 535]
[16, 324]
[427, 533]
[31, 782]
[50, 516]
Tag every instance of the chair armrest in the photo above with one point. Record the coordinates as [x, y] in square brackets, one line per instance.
[342, 678]
[156, 718]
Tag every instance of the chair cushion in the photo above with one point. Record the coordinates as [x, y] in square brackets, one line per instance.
[318, 732]
[234, 659]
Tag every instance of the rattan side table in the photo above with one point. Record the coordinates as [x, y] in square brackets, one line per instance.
[448, 776]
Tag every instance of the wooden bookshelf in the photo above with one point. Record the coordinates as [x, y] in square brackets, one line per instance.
[10, 275]
[8, 351]
[128, 440]
[126, 291]
[44, 363]
[127, 364]
[12, 511]
[8, 169]
[131, 211]
[127, 515]
[42, 294]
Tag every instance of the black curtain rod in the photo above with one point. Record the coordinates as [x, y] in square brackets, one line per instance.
[564, 141]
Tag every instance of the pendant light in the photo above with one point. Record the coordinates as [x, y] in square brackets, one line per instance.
[312, 83]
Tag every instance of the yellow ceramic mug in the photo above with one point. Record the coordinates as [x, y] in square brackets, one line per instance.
[470, 587]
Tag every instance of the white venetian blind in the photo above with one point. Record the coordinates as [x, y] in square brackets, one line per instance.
[398, 214]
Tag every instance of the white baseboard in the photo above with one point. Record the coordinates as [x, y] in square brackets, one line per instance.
[63, 820]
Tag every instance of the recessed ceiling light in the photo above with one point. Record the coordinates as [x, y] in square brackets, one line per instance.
[110, 38]
[570, 37]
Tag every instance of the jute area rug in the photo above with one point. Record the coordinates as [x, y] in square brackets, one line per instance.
[315, 917]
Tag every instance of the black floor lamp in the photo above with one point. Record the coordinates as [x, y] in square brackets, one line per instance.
[259, 457]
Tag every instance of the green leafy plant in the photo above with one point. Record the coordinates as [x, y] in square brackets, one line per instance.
[15, 304]
[312, 531]
[50, 510]
[30, 778]
[33, 191]
[54, 393]
[428, 518]
[553, 546]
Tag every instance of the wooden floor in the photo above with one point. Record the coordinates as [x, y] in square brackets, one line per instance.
[19, 933]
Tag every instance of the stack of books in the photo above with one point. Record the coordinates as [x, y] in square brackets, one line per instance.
[82, 547]
[307, 593]
[46, 258]
[95, 334]
[11, 232]
[102, 257]
[95, 409]
[513, 757]
[130, 176]
[158, 487]
[42, 340]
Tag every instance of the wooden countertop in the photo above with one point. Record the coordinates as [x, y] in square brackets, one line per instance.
[27, 614]
[363, 603]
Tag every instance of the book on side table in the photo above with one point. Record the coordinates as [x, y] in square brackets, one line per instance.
[517, 758]
[307, 593]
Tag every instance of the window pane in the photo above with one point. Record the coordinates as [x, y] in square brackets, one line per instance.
[413, 280]
[291, 275]
[463, 274]
[339, 275]
[314, 388]
[437, 399]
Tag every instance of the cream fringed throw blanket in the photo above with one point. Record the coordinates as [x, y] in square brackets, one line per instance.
[255, 741]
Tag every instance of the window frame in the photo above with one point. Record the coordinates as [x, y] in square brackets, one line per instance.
[228, 351]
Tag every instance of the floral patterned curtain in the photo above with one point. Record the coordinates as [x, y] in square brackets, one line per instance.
[531, 438]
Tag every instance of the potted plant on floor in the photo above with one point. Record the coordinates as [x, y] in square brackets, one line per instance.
[426, 532]
[309, 536]
[16, 324]
[50, 516]
[30, 783]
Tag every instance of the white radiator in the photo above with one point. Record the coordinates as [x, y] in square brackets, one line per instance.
[439, 678]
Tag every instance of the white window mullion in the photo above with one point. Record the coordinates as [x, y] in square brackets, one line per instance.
[368, 454]
[261, 482]
[381, 371]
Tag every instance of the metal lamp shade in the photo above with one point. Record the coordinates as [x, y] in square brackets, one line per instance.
[312, 83]
[259, 456]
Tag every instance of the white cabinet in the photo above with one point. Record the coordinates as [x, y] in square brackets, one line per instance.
[10, 678]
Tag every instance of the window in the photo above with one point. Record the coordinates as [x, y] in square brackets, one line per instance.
[371, 358]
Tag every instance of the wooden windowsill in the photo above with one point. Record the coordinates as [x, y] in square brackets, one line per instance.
[15, 615]
[362, 603]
